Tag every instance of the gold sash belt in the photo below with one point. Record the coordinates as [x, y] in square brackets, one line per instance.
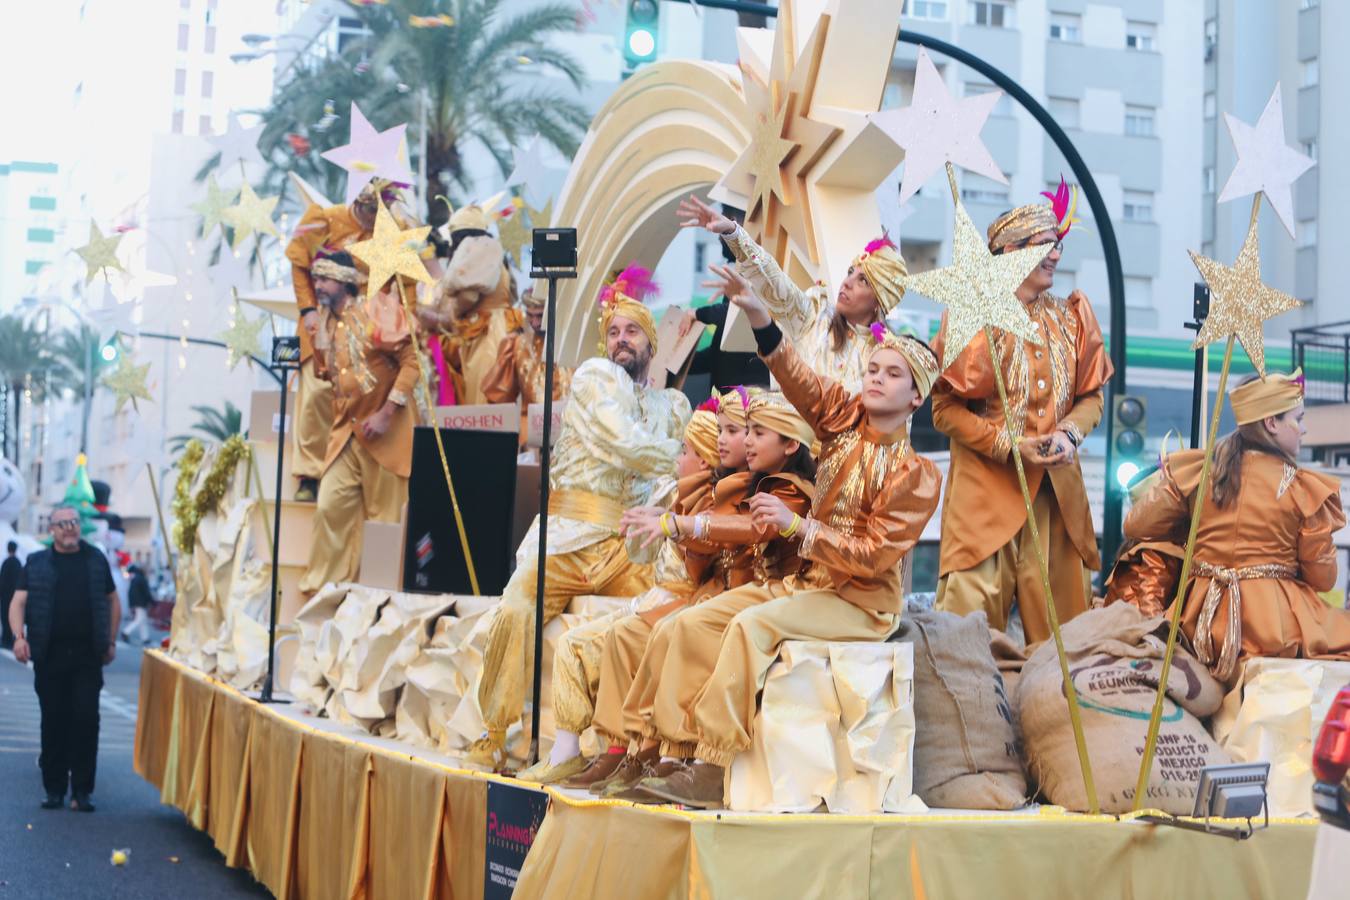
[585, 507]
[1228, 581]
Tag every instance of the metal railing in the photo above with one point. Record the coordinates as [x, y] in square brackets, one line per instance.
[1323, 352]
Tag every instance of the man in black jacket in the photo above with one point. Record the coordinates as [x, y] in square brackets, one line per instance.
[65, 615]
[9, 583]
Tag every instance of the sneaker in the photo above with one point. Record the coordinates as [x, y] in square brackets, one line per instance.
[308, 492]
[54, 801]
[699, 785]
[81, 803]
[488, 752]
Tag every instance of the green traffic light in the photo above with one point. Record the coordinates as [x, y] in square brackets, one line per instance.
[109, 352]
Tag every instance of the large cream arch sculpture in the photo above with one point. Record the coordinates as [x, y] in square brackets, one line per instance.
[785, 133]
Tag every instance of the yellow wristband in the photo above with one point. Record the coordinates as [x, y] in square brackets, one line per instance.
[791, 529]
[665, 527]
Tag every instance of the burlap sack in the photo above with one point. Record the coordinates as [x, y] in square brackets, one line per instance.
[1115, 655]
[966, 752]
[836, 726]
[1273, 715]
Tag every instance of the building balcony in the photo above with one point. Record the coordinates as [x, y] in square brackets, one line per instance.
[1069, 68]
[1136, 161]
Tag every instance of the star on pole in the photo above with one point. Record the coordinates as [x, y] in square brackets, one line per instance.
[127, 381]
[252, 214]
[370, 154]
[100, 253]
[242, 337]
[390, 252]
[1265, 162]
[979, 288]
[542, 217]
[238, 145]
[528, 166]
[1240, 301]
[514, 234]
[112, 318]
[936, 129]
[213, 207]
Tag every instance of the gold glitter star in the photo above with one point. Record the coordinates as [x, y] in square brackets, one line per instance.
[979, 288]
[241, 338]
[388, 252]
[514, 234]
[100, 253]
[127, 381]
[251, 214]
[213, 208]
[1240, 302]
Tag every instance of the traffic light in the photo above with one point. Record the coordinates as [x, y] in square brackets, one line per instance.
[1128, 427]
[639, 37]
[108, 352]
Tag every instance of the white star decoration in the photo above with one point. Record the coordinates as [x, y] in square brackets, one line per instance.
[238, 145]
[1265, 163]
[936, 129]
[371, 154]
[529, 168]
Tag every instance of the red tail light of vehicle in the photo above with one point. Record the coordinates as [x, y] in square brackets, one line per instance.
[1331, 753]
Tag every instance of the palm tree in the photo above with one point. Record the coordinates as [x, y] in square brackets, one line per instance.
[476, 82]
[80, 365]
[214, 425]
[26, 364]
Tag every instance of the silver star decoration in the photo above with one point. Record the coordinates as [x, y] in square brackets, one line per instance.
[1265, 162]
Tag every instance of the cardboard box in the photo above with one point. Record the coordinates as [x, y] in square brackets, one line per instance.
[481, 417]
[382, 546]
[534, 434]
[264, 418]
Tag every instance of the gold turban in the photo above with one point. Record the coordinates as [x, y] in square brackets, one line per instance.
[734, 402]
[773, 411]
[885, 270]
[389, 192]
[701, 434]
[624, 297]
[528, 300]
[325, 267]
[1018, 225]
[1259, 399]
[923, 363]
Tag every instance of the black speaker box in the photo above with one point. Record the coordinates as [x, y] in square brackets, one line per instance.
[483, 467]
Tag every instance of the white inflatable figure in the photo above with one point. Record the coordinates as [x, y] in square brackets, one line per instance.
[13, 498]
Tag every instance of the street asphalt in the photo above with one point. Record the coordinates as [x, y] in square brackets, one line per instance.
[65, 854]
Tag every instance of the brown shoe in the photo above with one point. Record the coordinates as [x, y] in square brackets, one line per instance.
[628, 788]
[699, 785]
[630, 770]
[601, 767]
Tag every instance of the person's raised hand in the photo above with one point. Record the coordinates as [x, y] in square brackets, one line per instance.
[732, 285]
[694, 213]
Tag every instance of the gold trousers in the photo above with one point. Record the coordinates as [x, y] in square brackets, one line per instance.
[1012, 573]
[624, 648]
[576, 672]
[508, 661]
[312, 418]
[723, 712]
[680, 656]
[355, 488]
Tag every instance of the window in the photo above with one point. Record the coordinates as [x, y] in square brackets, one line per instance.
[1002, 108]
[1209, 179]
[991, 13]
[927, 9]
[179, 82]
[1305, 233]
[208, 83]
[1308, 73]
[995, 195]
[41, 235]
[1140, 35]
[1066, 27]
[1211, 105]
[1139, 121]
[33, 266]
[203, 124]
[178, 122]
[1308, 4]
[1309, 149]
[1139, 292]
[1211, 38]
[1065, 111]
[182, 37]
[1138, 206]
[210, 44]
[45, 203]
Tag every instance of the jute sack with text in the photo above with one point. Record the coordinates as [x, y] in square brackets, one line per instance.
[1115, 659]
[966, 753]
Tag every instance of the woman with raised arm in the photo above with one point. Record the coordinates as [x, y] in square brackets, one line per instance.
[832, 338]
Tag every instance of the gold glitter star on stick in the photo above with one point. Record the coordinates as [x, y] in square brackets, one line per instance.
[241, 338]
[514, 234]
[127, 381]
[100, 253]
[979, 288]
[252, 214]
[542, 217]
[1240, 301]
[390, 252]
[213, 207]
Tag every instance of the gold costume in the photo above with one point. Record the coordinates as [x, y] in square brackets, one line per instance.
[322, 230]
[363, 477]
[987, 560]
[518, 372]
[805, 316]
[617, 440]
[1259, 560]
[874, 495]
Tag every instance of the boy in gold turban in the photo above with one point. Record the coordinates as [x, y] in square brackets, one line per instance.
[987, 561]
